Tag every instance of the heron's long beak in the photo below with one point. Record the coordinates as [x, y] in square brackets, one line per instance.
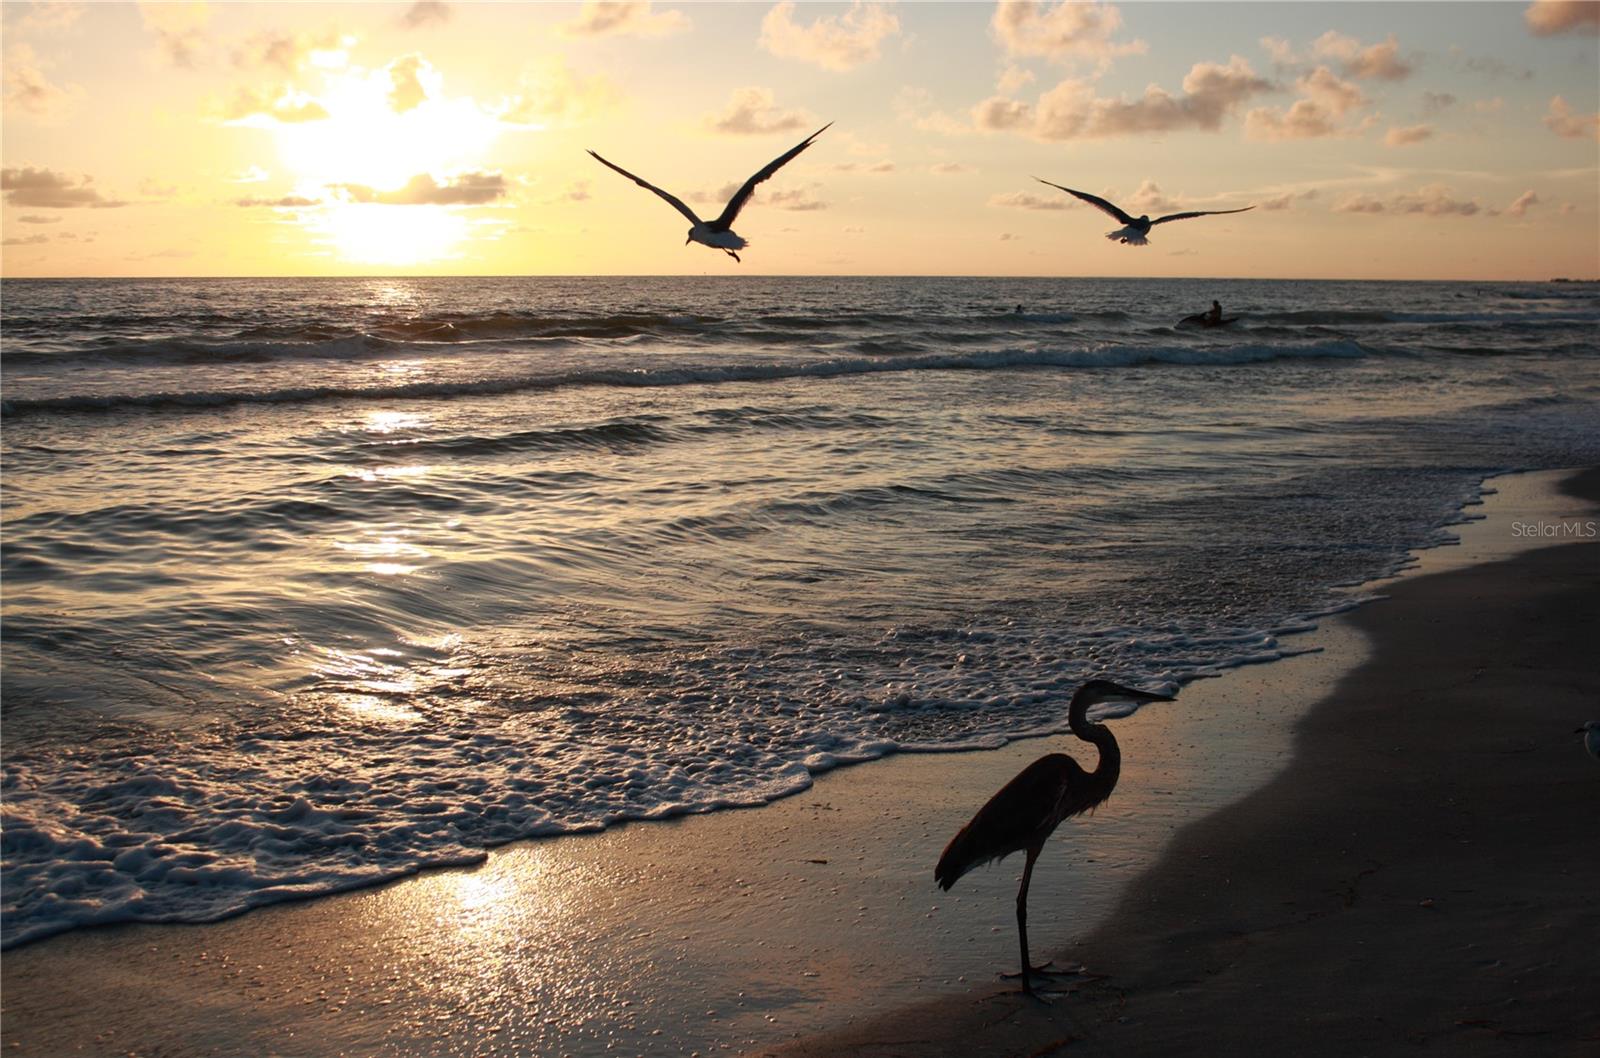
[1141, 696]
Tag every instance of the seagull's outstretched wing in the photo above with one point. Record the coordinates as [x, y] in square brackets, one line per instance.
[677, 203]
[1199, 213]
[741, 196]
[1093, 200]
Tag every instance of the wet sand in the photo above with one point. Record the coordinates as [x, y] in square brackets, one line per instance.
[1419, 873]
[1423, 875]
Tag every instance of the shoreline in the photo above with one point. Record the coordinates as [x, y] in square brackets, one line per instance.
[724, 931]
[1430, 862]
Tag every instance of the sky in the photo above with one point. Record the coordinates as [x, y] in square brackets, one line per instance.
[1388, 141]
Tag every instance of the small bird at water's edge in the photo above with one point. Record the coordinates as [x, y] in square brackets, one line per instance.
[718, 233]
[1134, 229]
[1027, 810]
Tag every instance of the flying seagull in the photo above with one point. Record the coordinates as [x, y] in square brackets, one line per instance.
[718, 234]
[1135, 228]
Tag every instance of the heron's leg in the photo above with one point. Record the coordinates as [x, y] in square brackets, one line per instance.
[1022, 917]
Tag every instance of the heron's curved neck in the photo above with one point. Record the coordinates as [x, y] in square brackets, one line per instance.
[1110, 763]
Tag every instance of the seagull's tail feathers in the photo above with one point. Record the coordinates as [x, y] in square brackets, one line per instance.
[1128, 237]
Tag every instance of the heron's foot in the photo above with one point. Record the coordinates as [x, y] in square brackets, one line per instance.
[1047, 969]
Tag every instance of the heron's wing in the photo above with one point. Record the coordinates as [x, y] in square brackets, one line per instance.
[677, 203]
[1094, 200]
[741, 196]
[1198, 213]
[1022, 814]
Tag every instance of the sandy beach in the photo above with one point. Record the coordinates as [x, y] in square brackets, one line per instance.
[1418, 870]
[1422, 874]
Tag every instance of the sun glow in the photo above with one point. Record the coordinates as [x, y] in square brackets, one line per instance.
[393, 235]
[377, 137]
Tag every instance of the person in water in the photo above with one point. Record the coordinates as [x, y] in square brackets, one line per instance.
[1017, 311]
[1215, 315]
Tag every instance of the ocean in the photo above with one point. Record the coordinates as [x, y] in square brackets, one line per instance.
[314, 583]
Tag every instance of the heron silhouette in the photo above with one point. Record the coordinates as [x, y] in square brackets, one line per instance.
[1027, 810]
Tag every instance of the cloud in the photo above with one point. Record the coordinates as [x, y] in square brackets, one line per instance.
[254, 106]
[47, 189]
[283, 202]
[1406, 136]
[1381, 61]
[467, 189]
[615, 18]
[1304, 120]
[1492, 68]
[1063, 32]
[1029, 200]
[1563, 122]
[715, 198]
[38, 218]
[425, 13]
[860, 167]
[799, 200]
[551, 94]
[1548, 17]
[948, 168]
[26, 240]
[1525, 201]
[51, 17]
[833, 42]
[1433, 200]
[1287, 199]
[1072, 111]
[1437, 102]
[412, 79]
[1013, 79]
[28, 90]
[1006, 236]
[289, 53]
[577, 191]
[752, 112]
[180, 31]
[1489, 106]
[1327, 98]
[1149, 199]
[1324, 87]
[1281, 51]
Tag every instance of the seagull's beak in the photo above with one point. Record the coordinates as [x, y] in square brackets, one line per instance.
[688, 239]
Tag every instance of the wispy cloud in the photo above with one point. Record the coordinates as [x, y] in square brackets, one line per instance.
[1071, 110]
[753, 112]
[29, 91]
[1433, 200]
[425, 13]
[180, 31]
[1381, 61]
[552, 94]
[1560, 120]
[1031, 200]
[833, 42]
[1525, 201]
[467, 189]
[1548, 17]
[618, 18]
[1061, 32]
[47, 189]
[1408, 135]
[255, 106]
